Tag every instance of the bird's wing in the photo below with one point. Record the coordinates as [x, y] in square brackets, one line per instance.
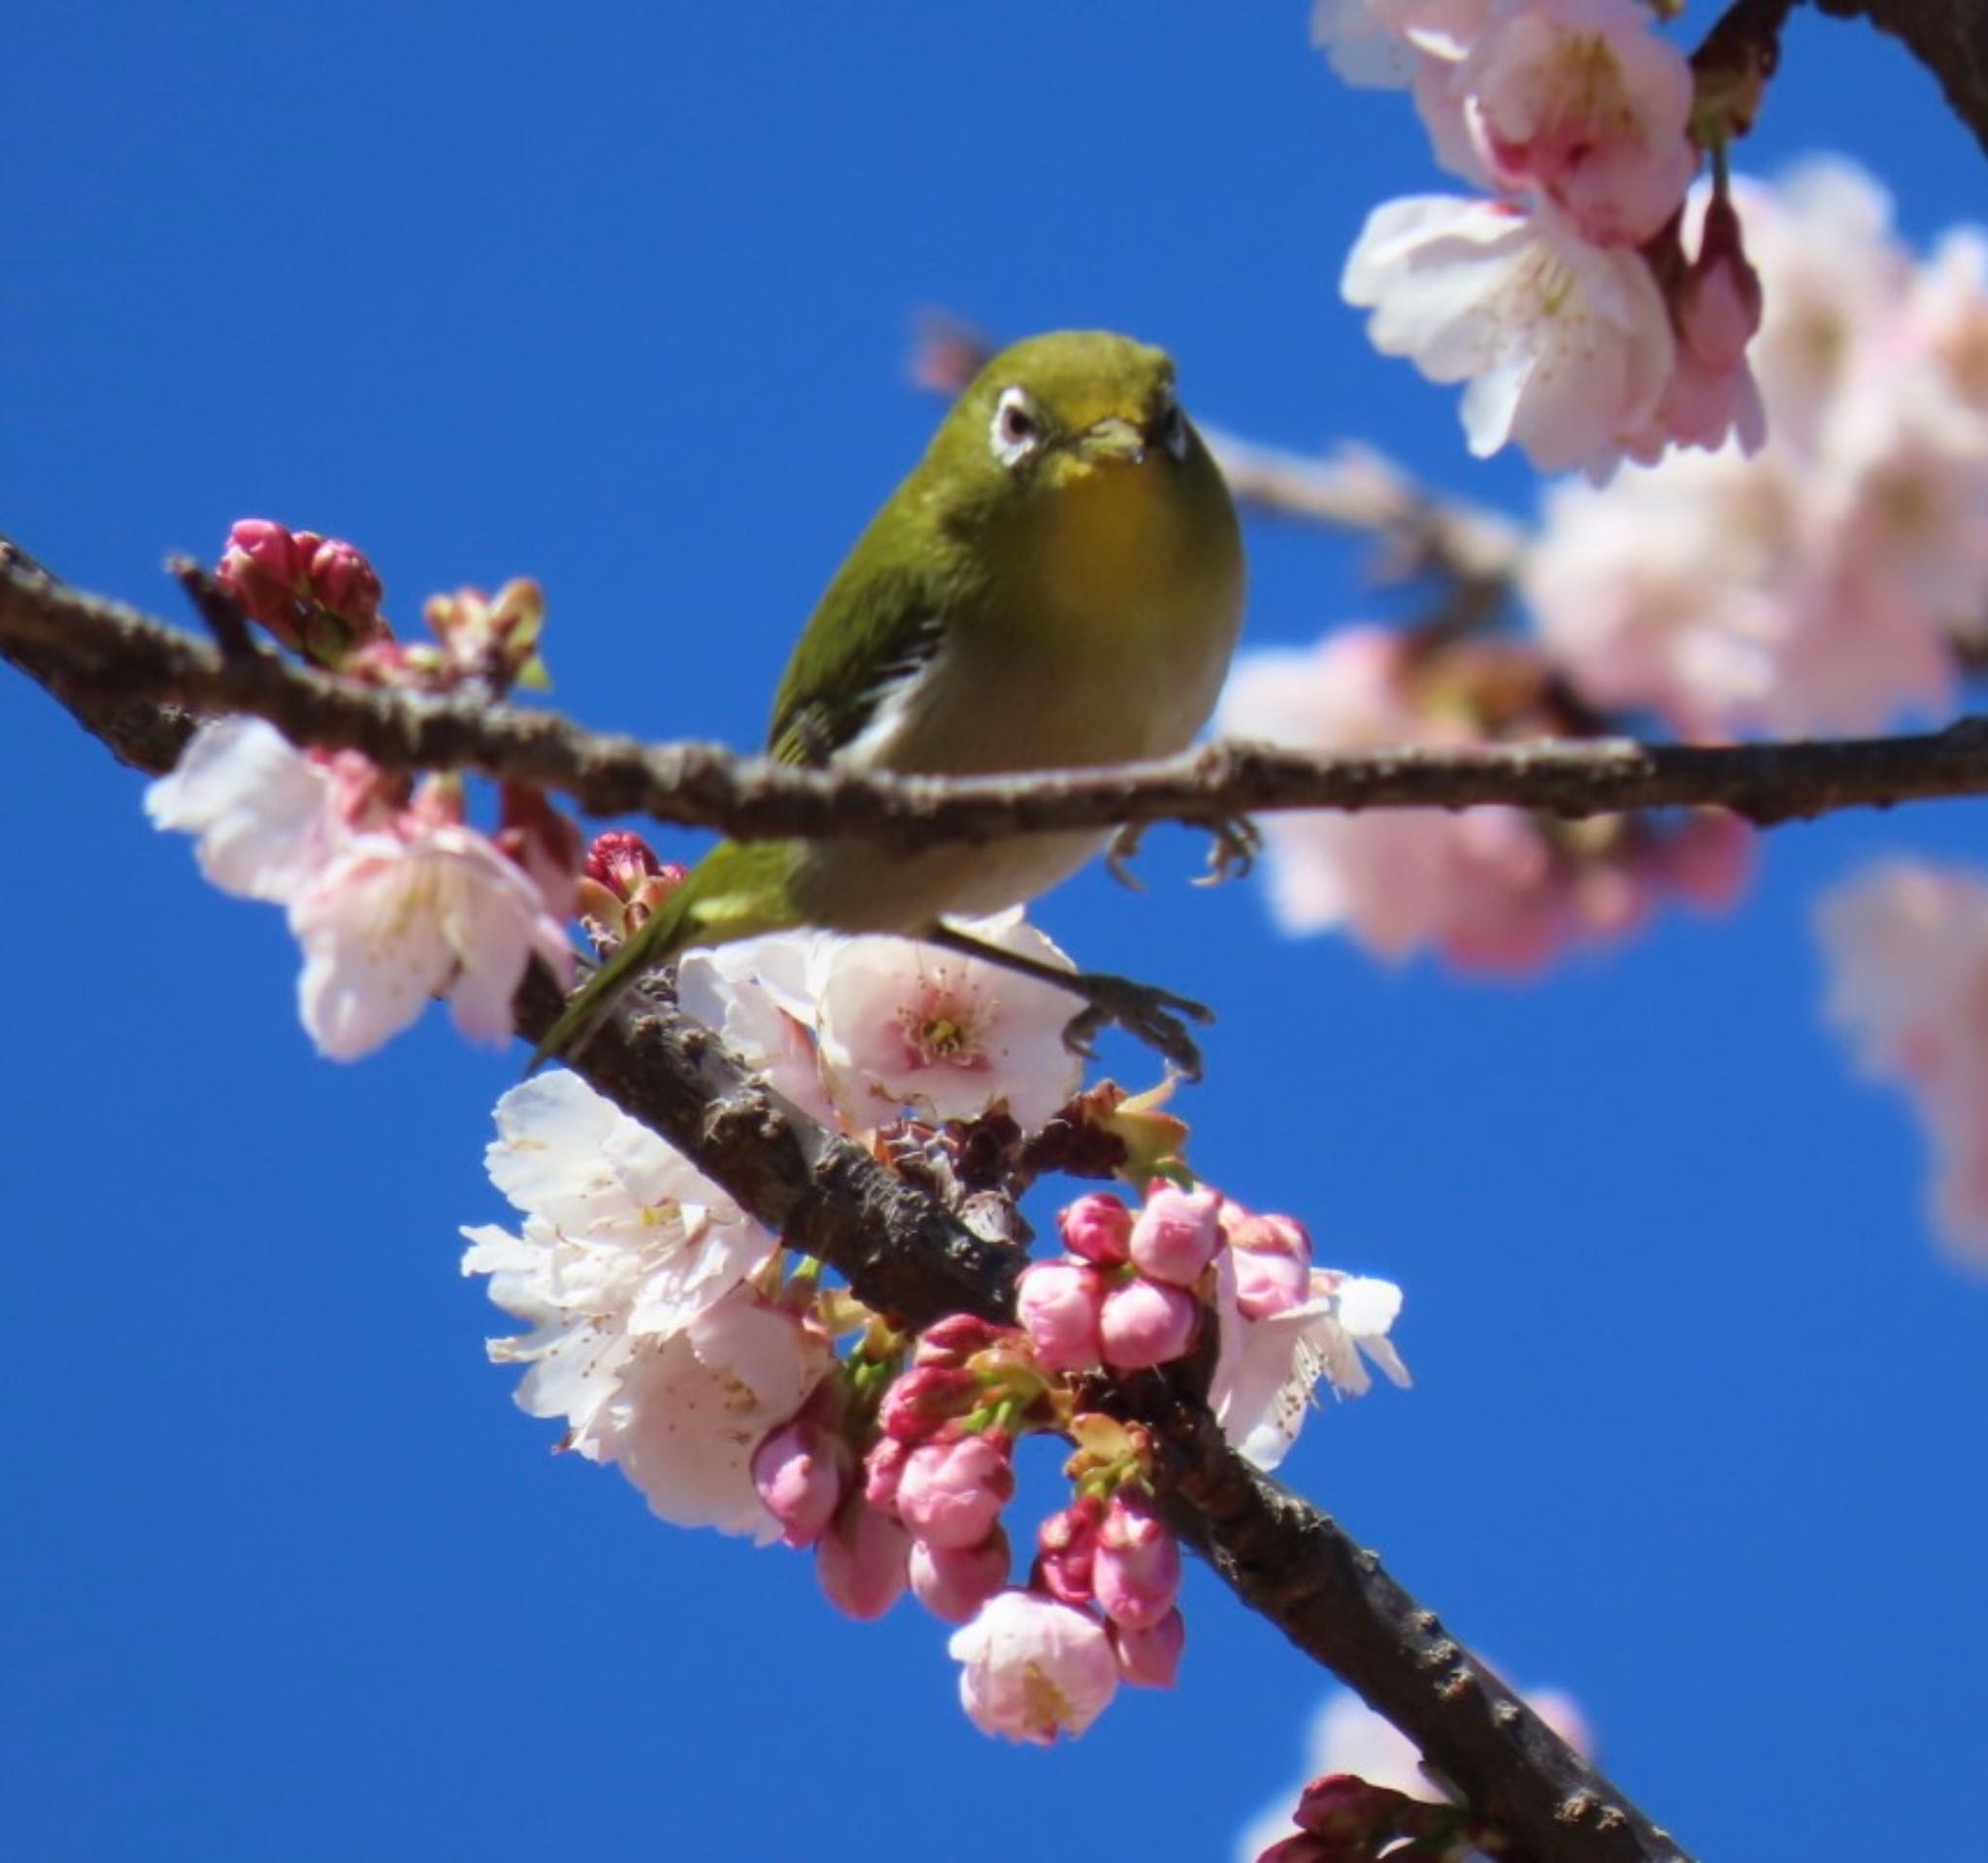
[875, 631]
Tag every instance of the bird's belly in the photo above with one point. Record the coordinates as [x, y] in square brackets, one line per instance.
[856, 885]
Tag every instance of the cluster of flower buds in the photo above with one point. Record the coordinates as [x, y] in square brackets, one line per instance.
[1126, 1297]
[318, 595]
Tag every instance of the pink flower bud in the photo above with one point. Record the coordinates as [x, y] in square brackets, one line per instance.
[926, 1398]
[545, 843]
[1273, 1261]
[1059, 1304]
[1096, 1226]
[952, 1493]
[265, 572]
[1150, 1658]
[346, 584]
[1066, 1546]
[955, 1338]
[1175, 1237]
[1145, 1323]
[1137, 1572]
[1033, 1668]
[884, 1468]
[861, 1562]
[1720, 301]
[952, 1583]
[620, 860]
[801, 1472]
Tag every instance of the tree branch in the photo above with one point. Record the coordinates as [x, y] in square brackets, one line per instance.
[114, 668]
[1948, 37]
[904, 1253]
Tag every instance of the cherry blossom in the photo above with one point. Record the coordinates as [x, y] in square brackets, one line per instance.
[904, 1024]
[1907, 945]
[1033, 1668]
[756, 994]
[262, 810]
[394, 919]
[1268, 1367]
[624, 1245]
[1582, 101]
[1382, 43]
[1493, 889]
[1566, 345]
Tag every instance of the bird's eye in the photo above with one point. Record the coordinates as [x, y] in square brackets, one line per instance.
[1017, 429]
[1170, 430]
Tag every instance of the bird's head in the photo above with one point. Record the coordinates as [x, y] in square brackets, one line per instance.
[1054, 412]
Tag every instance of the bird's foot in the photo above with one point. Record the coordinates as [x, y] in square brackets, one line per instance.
[1155, 1016]
[1234, 845]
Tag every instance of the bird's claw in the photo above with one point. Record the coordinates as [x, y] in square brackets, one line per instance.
[1236, 842]
[1121, 851]
[1155, 1016]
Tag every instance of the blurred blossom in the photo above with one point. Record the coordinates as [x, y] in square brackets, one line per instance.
[1348, 1737]
[1493, 888]
[1906, 946]
[1820, 588]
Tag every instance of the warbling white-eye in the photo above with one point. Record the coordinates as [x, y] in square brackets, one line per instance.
[1059, 581]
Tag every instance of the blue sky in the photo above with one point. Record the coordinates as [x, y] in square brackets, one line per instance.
[618, 296]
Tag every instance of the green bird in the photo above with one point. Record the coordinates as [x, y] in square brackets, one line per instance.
[1058, 583]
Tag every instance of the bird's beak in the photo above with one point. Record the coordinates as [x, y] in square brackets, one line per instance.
[1113, 439]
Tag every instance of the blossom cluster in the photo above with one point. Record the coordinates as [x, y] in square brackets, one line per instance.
[1590, 321]
[1822, 586]
[1492, 889]
[737, 1388]
[392, 894]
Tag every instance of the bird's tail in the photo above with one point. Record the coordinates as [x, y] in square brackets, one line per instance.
[738, 890]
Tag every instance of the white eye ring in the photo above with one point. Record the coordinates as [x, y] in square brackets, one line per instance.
[1017, 429]
[1170, 430]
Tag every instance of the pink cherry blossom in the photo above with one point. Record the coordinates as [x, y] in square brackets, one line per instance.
[904, 1024]
[1176, 1234]
[1581, 100]
[1267, 1367]
[262, 810]
[391, 920]
[862, 1561]
[1907, 945]
[1033, 1668]
[1271, 1257]
[1492, 889]
[1566, 345]
[1380, 44]
[691, 1408]
[758, 995]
